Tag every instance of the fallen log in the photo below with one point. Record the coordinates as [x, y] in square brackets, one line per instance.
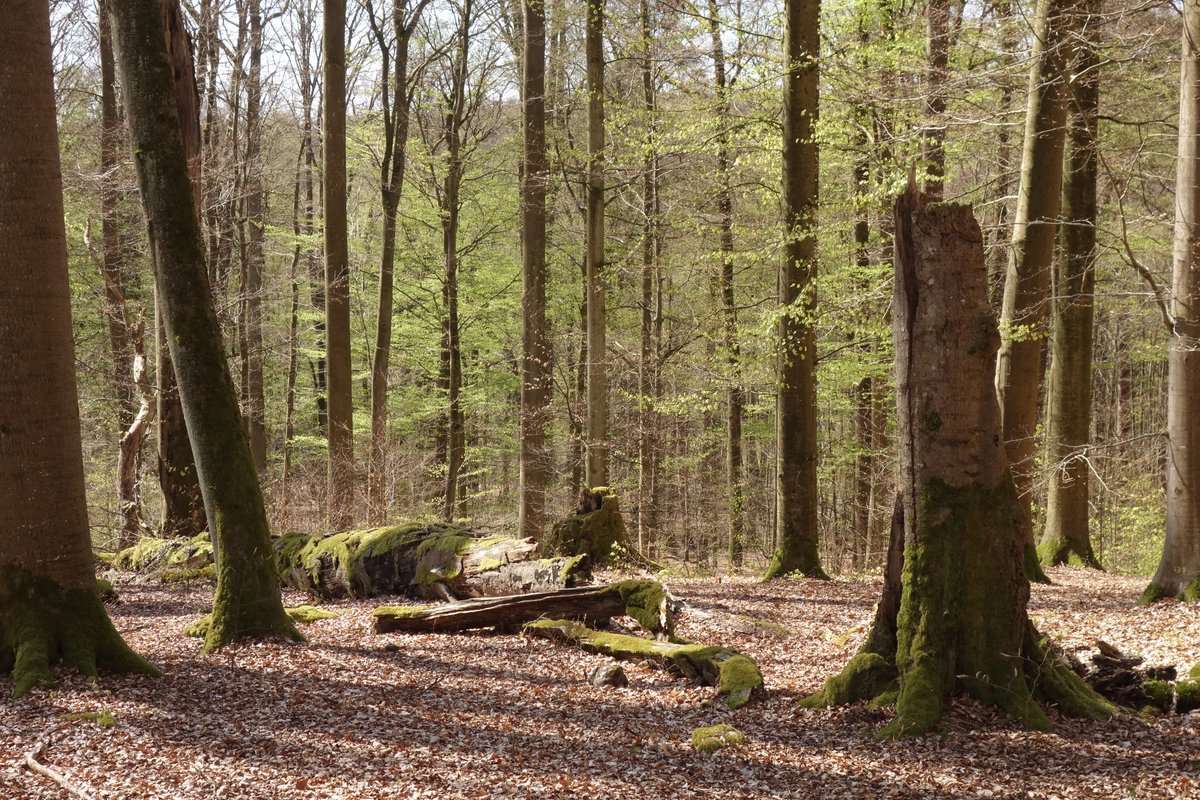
[643, 600]
[736, 676]
[432, 561]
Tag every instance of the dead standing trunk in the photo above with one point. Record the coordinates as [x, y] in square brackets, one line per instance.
[961, 622]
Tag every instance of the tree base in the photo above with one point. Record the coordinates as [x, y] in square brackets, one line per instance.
[41, 623]
[1033, 567]
[804, 561]
[1061, 551]
[1184, 592]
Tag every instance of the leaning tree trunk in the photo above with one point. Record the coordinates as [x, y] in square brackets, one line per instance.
[1070, 384]
[247, 602]
[49, 608]
[961, 622]
[1179, 570]
[796, 417]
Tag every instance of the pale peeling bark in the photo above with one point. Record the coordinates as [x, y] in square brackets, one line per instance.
[1178, 572]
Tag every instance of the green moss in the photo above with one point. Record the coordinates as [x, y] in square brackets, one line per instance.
[864, 677]
[886, 698]
[399, 611]
[490, 564]
[714, 737]
[378, 541]
[42, 623]
[146, 552]
[795, 559]
[1160, 694]
[739, 680]
[200, 628]
[189, 574]
[646, 601]
[1187, 696]
[105, 589]
[104, 719]
[308, 614]
[1194, 673]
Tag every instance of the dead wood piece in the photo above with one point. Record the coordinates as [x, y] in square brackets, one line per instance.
[644, 600]
[736, 676]
[730, 620]
[33, 765]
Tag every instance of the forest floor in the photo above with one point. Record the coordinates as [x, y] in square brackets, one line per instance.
[354, 715]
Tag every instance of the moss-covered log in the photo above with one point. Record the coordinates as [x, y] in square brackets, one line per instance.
[597, 530]
[961, 623]
[434, 561]
[643, 600]
[736, 676]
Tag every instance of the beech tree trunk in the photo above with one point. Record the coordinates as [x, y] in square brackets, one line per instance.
[1027, 286]
[796, 406]
[1178, 572]
[337, 273]
[255, 259]
[1069, 412]
[596, 472]
[961, 623]
[247, 602]
[535, 341]
[49, 608]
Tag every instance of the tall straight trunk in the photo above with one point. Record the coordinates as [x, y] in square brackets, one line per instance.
[998, 262]
[49, 608]
[596, 473]
[1178, 572]
[183, 505]
[1023, 318]
[247, 601]
[960, 623]
[255, 411]
[1070, 384]
[937, 18]
[337, 273]
[733, 429]
[648, 363]
[396, 96]
[289, 418]
[796, 407]
[535, 339]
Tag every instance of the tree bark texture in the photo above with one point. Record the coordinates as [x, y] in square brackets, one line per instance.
[1178, 573]
[1069, 393]
[937, 43]
[596, 472]
[796, 412]
[49, 608]
[1023, 319]
[255, 258]
[247, 602]
[337, 273]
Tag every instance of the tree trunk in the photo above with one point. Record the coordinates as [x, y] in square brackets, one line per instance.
[535, 340]
[49, 608]
[937, 17]
[183, 505]
[648, 363]
[337, 273]
[129, 449]
[252, 288]
[796, 412]
[1070, 384]
[1027, 286]
[596, 472]
[961, 622]
[247, 602]
[1178, 572]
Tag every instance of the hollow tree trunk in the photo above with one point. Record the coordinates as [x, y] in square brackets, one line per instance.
[961, 622]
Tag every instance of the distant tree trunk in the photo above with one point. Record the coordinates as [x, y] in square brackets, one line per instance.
[596, 473]
[289, 420]
[396, 95]
[535, 340]
[247, 602]
[937, 17]
[1178, 572]
[183, 505]
[961, 623]
[130, 447]
[1027, 286]
[1070, 384]
[337, 273]
[796, 412]
[49, 608]
[252, 289]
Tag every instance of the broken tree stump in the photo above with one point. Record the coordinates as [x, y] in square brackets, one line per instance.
[432, 561]
[643, 600]
[736, 676]
[596, 530]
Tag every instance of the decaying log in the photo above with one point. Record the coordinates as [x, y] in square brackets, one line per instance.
[736, 676]
[643, 600]
[730, 620]
[433, 561]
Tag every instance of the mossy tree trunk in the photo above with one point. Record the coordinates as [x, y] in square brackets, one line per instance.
[1178, 572]
[796, 409]
[247, 602]
[49, 608]
[961, 622]
[1070, 382]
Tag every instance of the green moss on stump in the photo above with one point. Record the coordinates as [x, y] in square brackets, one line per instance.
[864, 677]
[714, 737]
[1160, 694]
[1187, 696]
[646, 602]
[600, 534]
